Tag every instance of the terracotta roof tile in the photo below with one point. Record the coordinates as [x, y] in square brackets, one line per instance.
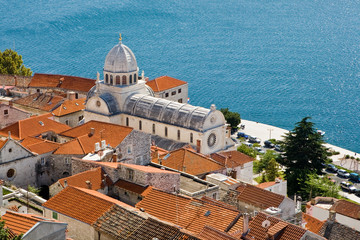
[82, 204]
[164, 83]
[62, 81]
[266, 184]
[72, 147]
[210, 233]
[258, 197]
[129, 186]
[190, 162]
[189, 213]
[311, 223]
[231, 159]
[39, 146]
[43, 101]
[33, 126]
[286, 231]
[69, 106]
[20, 223]
[2, 143]
[347, 208]
[96, 177]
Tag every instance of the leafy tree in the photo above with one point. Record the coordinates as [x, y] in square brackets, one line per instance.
[304, 154]
[12, 63]
[233, 118]
[247, 150]
[4, 233]
[33, 189]
[320, 186]
[265, 159]
[272, 170]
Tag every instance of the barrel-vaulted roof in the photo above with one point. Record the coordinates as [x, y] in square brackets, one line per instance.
[166, 111]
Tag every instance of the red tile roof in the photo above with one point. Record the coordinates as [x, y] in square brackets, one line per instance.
[189, 213]
[266, 184]
[20, 223]
[190, 162]
[96, 176]
[258, 197]
[73, 147]
[285, 231]
[46, 102]
[69, 106]
[2, 143]
[39, 146]
[129, 186]
[82, 204]
[346, 208]
[231, 159]
[164, 83]
[311, 223]
[210, 233]
[62, 81]
[33, 126]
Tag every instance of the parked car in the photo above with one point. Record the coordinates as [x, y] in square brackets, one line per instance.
[348, 187]
[254, 139]
[331, 168]
[354, 177]
[278, 148]
[241, 134]
[357, 192]
[259, 149]
[269, 144]
[247, 144]
[342, 173]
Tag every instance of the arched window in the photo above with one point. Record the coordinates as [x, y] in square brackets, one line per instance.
[106, 78]
[191, 138]
[117, 80]
[135, 79]
[127, 121]
[140, 125]
[178, 135]
[124, 80]
[130, 82]
[111, 80]
[153, 129]
[166, 133]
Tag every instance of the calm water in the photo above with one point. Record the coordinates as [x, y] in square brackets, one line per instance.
[272, 61]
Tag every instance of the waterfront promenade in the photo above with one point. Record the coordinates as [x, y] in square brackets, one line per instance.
[265, 132]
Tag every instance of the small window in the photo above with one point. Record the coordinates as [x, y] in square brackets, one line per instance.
[38, 90]
[81, 118]
[130, 174]
[166, 132]
[178, 134]
[117, 80]
[10, 173]
[130, 79]
[54, 215]
[135, 78]
[67, 122]
[153, 128]
[180, 100]
[98, 103]
[127, 121]
[140, 125]
[166, 94]
[76, 96]
[111, 80]
[173, 93]
[42, 160]
[10, 150]
[191, 138]
[129, 149]
[123, 80]
[67, 160]
[179, 90]
[106, 78]
[6, 112]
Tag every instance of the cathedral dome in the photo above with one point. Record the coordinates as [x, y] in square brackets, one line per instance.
[120, 59]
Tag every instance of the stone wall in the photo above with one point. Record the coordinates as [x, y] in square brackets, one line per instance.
[9, 80]
[13, 115]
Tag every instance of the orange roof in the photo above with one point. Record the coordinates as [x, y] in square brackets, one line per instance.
[71, 147]
[33, 126]
[347, 208]
[45, 102]
[69, 106]
[82, 204]
[129, 186]
[2, 143]
[189, 213]
[160, 150]
[190, 162]
[62, 81]
[20, 223]
[209, 233]
[96, 177]
[266, 184]
[258, 197]
[311, 223]
[164, 83]
[231, 159]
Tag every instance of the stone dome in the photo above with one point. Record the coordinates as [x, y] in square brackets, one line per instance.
[120, 59]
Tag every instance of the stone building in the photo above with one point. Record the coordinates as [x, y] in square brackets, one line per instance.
[124, 98]
[10, 115]
[169, 88]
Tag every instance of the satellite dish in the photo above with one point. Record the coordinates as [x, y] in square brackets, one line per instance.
[266, 224]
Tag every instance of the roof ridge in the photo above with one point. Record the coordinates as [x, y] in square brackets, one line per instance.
[82, 147]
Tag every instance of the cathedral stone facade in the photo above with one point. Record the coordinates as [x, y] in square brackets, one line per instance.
[124, 98]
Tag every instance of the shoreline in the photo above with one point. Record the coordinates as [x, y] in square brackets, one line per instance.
[265, 132]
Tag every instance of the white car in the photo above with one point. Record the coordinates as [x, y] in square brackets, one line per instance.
[342, 173]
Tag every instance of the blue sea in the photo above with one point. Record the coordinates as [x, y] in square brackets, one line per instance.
[272, 61]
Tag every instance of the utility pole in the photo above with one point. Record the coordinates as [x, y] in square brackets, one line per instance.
[270, 130]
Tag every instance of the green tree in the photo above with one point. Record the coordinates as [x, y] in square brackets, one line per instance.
[11, 63]
[272, 170]
[233, 118]
[320, 186]
[247, 150]
[304, 154]
[4, 233]
[265, 159]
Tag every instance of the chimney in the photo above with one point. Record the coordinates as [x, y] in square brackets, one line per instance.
[71, 95]
[332, 215]
[10, 103]
[97, 147]
[114, 157]
[92, 131]
[245, 223]
[103, 144]
[198, 145]
[88, 184]
[65, 183]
